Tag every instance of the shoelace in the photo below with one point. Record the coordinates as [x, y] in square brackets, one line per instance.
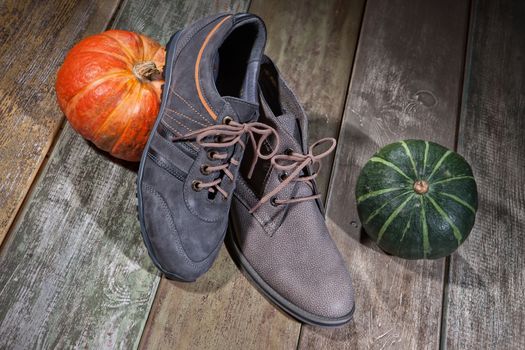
[295, 163]
[227, 135]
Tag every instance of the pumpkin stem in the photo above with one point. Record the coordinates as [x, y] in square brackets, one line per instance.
[421, 186]
[147, 71]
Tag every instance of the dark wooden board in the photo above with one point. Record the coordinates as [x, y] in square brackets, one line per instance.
[74, 272]
[313, 44]
[485, 306]
[406, 83]
[34, 38]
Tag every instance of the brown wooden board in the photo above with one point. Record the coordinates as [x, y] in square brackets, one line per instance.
[313, 44]
[34, 38]
[485, 306]
[74, 272]
[406, 83]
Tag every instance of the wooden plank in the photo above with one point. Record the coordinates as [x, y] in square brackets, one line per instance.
[34, 38]
[223, 310]
[313, 44]
[74, 273]
[484, 304]
[405, 83]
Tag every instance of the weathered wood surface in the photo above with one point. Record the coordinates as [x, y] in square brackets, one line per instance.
[219, 311]
[406, 83]
[34, 38]
[74, 272]
[313, 43]
[485, 293]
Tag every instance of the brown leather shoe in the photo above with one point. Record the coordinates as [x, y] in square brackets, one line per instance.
[277, 231]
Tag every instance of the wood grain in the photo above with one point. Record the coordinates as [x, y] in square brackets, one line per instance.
[34, 38]
[406, 83]
[219, 311]
[485, 299]
[74, 273]
[313, 42]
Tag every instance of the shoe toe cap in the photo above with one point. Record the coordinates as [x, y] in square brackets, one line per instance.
[304, 273]
[334, 299]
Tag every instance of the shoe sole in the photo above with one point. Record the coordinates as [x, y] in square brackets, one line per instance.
[170, 50]
[274, 296]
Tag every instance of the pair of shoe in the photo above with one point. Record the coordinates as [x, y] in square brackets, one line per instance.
[228, 152]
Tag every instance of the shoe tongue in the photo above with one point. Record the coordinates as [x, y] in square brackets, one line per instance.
[246, 111]
[290, 124]
[287, 121]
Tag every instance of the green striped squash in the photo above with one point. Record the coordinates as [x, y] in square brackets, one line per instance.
[417, 199]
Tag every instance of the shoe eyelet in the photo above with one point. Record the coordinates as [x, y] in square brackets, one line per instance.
[288, 151]
[273, 201]
[204, 169]
[195, 185]
[227, 120]
[283, 176]
[211, 155]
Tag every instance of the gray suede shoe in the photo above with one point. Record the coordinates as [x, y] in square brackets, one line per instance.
[190, 164]
[277, 230]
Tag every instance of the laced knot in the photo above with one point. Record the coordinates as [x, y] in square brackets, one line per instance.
[217, 137]
[292, 165]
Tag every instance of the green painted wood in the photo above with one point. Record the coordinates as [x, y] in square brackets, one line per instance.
[405, 84]
[484, 307]
[313, 44]
[74, 272]
[34, 38]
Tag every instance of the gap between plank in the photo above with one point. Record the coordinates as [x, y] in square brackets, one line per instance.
[339, 134]
[116, 14]
[35, 180]
[467, 58]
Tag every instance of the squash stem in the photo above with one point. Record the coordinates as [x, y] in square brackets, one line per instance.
[421, 187]
[147, 71]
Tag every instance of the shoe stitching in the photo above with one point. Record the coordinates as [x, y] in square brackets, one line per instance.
[183, 115]
[170, 128]
[167, 167]
[173, 130]
[243, 102]
[171, 223]
[189, 151]
[268, 174]
[200, 89]
[242, 182]
[191, 106]
[263, 221]
[179, 123]
[205, 97]
[247, 206]
[189, 36]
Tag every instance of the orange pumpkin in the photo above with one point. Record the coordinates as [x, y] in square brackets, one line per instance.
[109, 88]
